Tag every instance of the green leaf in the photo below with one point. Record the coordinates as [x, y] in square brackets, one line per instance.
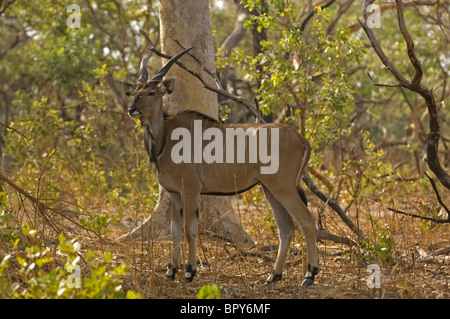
[107, 256]
[21, 261]
[90, 256]
[42, 261]
[132, 295]
[209, 292]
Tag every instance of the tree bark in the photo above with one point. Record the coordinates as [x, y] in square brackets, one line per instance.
[187, 23]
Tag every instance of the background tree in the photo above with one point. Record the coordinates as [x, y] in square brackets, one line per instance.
[415, 86]
[186, 24]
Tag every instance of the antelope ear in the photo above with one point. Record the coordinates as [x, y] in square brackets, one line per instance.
[167, 86]
[128, 88]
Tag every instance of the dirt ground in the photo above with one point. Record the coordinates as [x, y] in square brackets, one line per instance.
[416, 262]
[417, 268]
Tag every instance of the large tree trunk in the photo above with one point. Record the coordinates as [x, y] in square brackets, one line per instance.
[187, 23]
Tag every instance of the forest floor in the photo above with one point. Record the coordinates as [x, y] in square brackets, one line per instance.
[417, 263]
[409, 257]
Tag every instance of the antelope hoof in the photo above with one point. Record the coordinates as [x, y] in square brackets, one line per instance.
[190, 273]
[171, 271]
[272, 278]
[308, 282]
[309, 278]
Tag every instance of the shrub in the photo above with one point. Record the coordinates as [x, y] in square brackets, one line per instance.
[42, 274]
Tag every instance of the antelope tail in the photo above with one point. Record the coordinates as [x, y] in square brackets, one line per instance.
[305, 159]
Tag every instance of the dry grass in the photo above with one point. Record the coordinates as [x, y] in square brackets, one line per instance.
[414, 270]
[343, 272]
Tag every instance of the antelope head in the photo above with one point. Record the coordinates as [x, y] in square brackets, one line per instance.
[148, 93]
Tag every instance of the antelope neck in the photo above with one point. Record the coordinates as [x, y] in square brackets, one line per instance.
[154, 128]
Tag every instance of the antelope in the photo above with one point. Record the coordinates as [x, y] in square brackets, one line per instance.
[187, 180]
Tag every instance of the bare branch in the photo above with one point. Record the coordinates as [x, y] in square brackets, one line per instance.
[436, 220]
[379, 51]
[41, 207]
[342, 9]
[390, 6]
[212, 74]
[13, 129]
[332, 203]
[410, 45]
[379, 84]
[239, 31]
[322, 234]
[433, 184]
[311, 14]
[435, 132]
[2, 10]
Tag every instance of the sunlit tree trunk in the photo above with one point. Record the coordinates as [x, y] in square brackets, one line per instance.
[187, 23]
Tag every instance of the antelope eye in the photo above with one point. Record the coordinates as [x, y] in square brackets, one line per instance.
[151, 93]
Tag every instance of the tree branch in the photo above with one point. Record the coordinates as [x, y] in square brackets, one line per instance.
[415, 86]
[379, 84]
[311, 14]
[2, 10]
[342, 9]
[13, 129]
[332, 203]
[390, 6]
[239, 31]
[417, 78]
[41, 207]
[248, 105]
[436, 220]
[379, 51]
[433, 184]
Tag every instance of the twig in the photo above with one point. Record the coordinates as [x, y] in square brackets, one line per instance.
[41, 206]
[311, 14]
[212, 74]
[417, 77]
[332, 203]
[379, 51]
[433, 184]
[442, 251]
[379, 84]
[322, 234]
[13, 129]
[251, 254]
[436, 220]
[6, 6]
